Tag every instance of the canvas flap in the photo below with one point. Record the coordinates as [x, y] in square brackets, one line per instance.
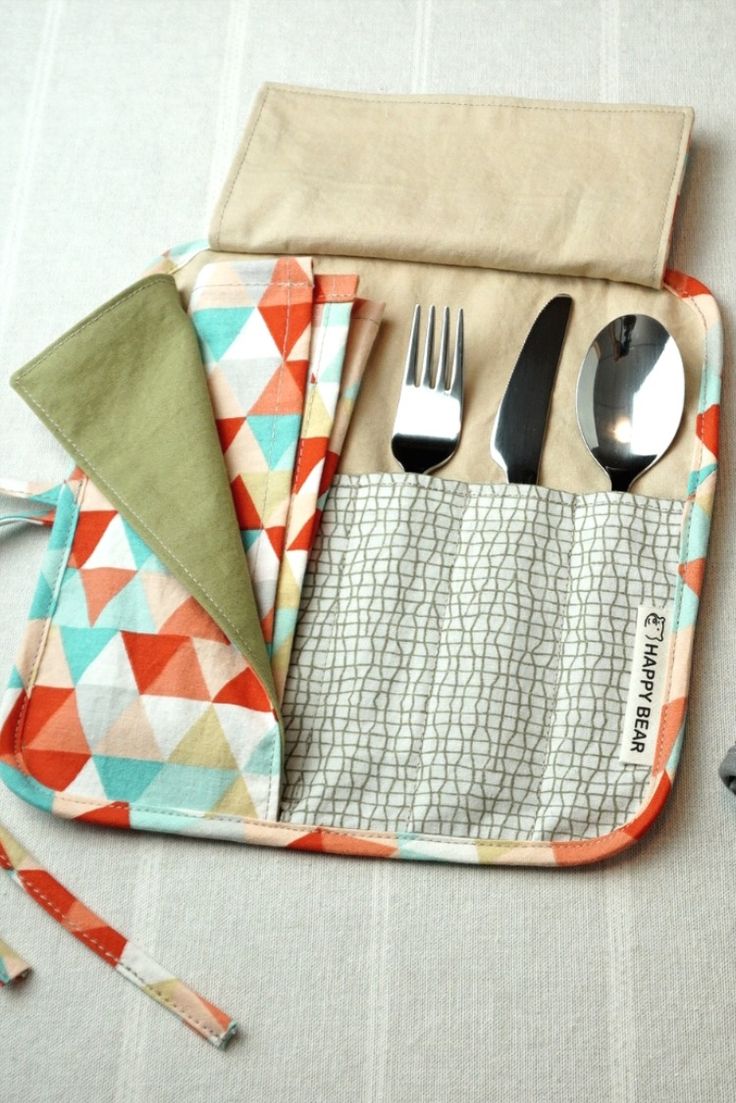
[569, 189]
[131, 373]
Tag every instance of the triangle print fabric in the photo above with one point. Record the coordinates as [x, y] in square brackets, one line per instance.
[313, 479]
[253, 320]
[112, 947]
[139, 712]
[255, 400]
[128, 705]
[333, 304]
[13, 968]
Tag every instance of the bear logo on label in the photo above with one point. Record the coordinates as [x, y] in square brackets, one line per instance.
[654, 627]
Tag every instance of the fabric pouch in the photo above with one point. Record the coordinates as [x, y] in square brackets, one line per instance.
[459, 679]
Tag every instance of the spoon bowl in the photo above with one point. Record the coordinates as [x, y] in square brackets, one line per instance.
[630, 396]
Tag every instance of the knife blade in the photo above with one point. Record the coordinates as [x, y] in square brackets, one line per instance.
[521, 421]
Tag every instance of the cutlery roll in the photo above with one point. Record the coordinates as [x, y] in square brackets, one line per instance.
[478, 672]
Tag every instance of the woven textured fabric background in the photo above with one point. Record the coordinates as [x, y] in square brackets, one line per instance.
[374, 982]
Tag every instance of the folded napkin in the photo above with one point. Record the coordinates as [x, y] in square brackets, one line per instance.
[340, 357]
[275, 412]
[254, 323]
[333, 303]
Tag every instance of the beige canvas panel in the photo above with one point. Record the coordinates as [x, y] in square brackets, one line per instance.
[499, 309]
[520, 185]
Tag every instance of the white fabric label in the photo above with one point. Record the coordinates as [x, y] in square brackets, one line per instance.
[641, 722]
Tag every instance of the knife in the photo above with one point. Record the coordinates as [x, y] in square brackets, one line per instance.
[521, 421]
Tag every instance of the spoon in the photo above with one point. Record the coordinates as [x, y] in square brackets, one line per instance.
[630, 396]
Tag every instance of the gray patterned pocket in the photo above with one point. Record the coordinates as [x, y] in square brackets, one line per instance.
[462, 657]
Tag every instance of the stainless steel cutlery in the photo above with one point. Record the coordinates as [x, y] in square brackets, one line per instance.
[630, 396]
[629, 402]
[521, 421]
[429, 416]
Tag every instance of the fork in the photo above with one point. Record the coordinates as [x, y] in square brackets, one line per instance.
[429, 416]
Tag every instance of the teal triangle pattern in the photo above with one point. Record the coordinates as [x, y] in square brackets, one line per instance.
[197, 788]
[41, 600]
[125, 778]
[285, 626]
[698, 477]
[277, 435]
[139, 550]
[66, 514]
[333, 372]
[406, 850]
[687, 611]
[71, 608]
[249, 537]
[82, 646]
[696, 532]
[128, 611]
[217, 327]
[261, 760]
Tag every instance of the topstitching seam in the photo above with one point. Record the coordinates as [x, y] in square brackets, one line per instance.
[103, 483]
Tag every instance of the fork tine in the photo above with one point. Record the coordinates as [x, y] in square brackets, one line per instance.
[441, 381]
[410, 370]
[425, 378]
[456, 389]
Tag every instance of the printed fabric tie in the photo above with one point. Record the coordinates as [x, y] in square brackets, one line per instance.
[130, 961]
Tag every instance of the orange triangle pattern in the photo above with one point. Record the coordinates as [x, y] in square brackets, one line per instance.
[303, 539]
[64, 734]
[43, 703]
[286, 323]
[276, 536]
[311, 452]
[105, 941]
[116, 814]
[244, 689]
[693, 573]
[101, 585]
[707, 428]
[10, 732]
[149, 655]
[245, 509]
[228, 429]
[283, 392]
[181, 677]
[190, 619]
[91, 526]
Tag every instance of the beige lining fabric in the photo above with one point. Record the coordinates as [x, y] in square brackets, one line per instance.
[499, 309]
[464, 200]
[571, 189]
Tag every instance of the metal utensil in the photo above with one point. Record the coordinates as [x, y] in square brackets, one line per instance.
[630, 396]
[521, 421]
[429, 416]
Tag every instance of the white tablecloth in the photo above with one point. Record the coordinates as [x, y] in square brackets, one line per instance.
[353, 980]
